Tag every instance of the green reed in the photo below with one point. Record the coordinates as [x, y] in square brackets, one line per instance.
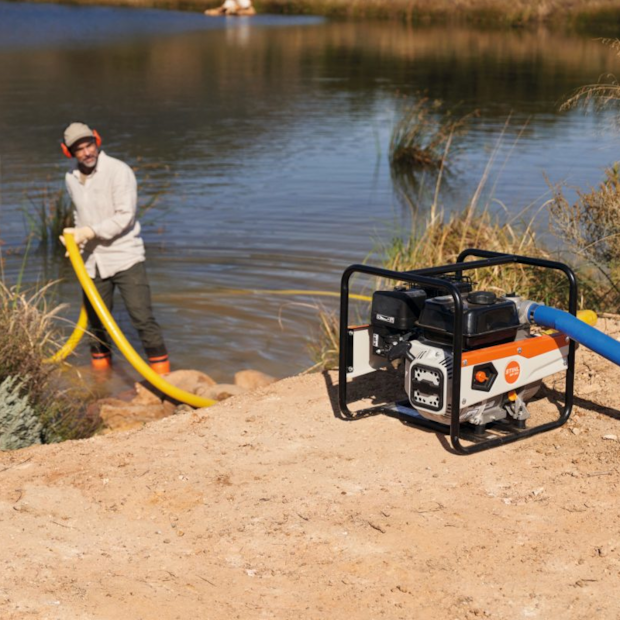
[48, 216]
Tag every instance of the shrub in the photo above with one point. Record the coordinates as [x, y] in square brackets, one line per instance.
[590, 227]
[20, 426]
[31, 383]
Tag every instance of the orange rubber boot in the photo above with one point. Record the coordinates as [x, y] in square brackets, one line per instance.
[160, 364]
[101, 361]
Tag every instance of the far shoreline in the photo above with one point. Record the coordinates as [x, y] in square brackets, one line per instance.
[586, 15]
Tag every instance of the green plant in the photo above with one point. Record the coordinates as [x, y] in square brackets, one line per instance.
[423, 134]
[422, 149]
[48, 218]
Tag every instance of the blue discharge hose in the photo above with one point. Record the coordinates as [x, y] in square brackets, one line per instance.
[577, 330]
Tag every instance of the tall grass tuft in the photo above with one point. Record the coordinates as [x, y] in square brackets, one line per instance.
[324, 349]
[48, 218]
[590, 227]
[603, 95]
[423, 134]
[437, 240]
[28, 336]
[423, 146]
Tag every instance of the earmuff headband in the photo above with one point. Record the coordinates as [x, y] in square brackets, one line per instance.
[67, 151]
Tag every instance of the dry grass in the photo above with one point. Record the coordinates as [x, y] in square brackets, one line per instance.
[29, 335]
[423, 134]
[604, 95]
[26, 338]
[423, 137]
[325, 347]
[590, 227]
[437, 240]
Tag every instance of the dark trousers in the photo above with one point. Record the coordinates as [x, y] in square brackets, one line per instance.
[136, 293]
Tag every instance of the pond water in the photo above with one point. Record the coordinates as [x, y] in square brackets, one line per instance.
[265, 141]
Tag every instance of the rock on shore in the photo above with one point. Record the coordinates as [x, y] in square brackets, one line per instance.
[144, 403]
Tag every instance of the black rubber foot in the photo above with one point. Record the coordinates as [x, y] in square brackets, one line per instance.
[479, 429]
[519, 424]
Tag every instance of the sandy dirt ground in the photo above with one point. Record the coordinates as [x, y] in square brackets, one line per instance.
[268, 505]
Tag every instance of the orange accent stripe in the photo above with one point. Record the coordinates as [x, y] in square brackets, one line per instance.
[354, 327]
[161, 358]
[530, 347]
[161, 368]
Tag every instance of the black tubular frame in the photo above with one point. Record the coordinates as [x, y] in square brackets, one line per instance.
[426, 277]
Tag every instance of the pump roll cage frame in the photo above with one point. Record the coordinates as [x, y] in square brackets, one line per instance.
[427, 277]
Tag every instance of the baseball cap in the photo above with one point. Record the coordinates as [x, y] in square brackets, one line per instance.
[77, 131]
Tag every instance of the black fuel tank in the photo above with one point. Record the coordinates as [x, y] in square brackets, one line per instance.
[487, 320]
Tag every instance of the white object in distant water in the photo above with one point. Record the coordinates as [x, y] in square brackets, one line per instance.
[233, 7]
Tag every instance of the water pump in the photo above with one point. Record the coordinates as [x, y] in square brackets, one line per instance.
[470, 360]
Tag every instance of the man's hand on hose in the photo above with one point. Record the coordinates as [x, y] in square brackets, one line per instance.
[81, 235]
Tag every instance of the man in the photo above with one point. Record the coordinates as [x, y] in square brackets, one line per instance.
[104, 194]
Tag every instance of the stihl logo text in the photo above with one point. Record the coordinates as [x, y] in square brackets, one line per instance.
[512, 372]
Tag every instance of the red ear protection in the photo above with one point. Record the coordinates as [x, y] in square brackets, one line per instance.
[67, 152]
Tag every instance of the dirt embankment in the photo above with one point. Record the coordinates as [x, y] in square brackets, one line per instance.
[268, 505]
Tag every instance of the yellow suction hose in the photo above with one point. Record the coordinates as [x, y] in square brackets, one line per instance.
[290, 291]
[73, 340]
[588, 316]
[121, 342]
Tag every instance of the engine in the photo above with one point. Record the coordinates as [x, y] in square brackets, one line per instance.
[503, 362]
